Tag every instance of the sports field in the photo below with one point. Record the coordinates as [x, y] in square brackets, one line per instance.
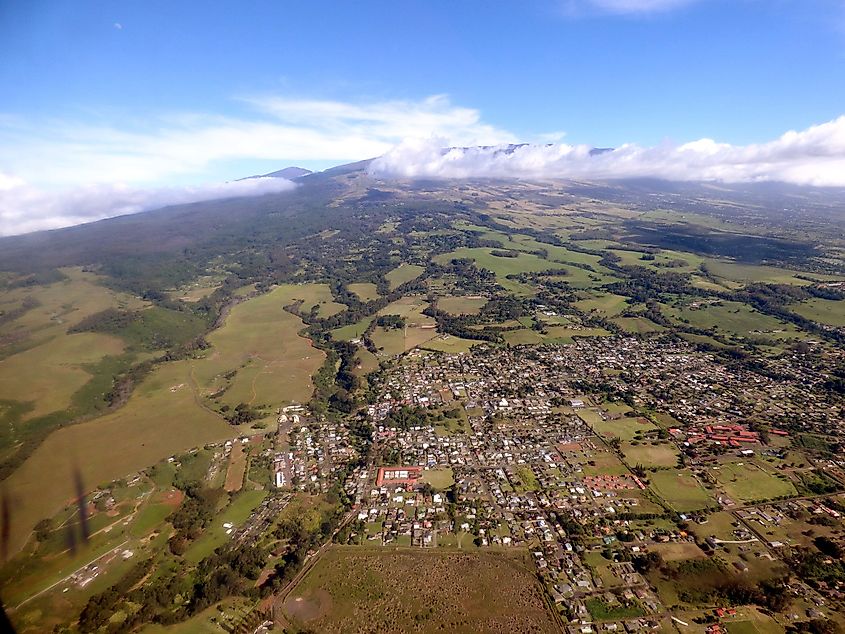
[751, 481]
[364, 590]
[681, 490]
[647, 454]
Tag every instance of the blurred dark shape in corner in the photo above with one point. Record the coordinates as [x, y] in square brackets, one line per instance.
[83, 505]
[71, 534]
[5, 529]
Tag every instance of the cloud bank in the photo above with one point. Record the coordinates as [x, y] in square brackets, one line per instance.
[815, 156]
[42, 162]
[25, 208]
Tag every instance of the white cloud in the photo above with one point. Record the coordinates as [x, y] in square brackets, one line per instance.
[815, 156]
[47, 160]
[279, 129]
[25, 208]
[639, 6]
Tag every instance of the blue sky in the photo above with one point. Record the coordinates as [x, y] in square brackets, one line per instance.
[183, 93]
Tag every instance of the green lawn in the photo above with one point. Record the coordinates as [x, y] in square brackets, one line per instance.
[749, 481]
[681, 490]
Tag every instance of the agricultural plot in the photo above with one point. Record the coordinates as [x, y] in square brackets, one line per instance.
[501, 266]
[258, 357]
[402, 274]
[681, 490]
[418, 328]
[461, 305]
[751, 481]
[365, 590]
[606, 304]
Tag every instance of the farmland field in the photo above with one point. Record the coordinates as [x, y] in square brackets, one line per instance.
[365, 291]
[449, 344]
[461, 305]
[366, 590]
[402, 274]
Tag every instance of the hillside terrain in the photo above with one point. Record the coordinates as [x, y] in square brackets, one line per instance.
[624, 398]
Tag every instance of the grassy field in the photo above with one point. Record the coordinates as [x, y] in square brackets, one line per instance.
[502, 267]
[236, 513]
[681, 490]
[750, 481]
[402, 274]
[606, 304]
[728, 317]
[449, 344]
[461, 305]
[163, 417]
[365, 291]
[554, 334]
[662, 454]
[418, 327]
[49, 374]
[352, 331]
[236, 468]
[439, 478]
[311, 295]
[259, 342]
[42, 367]
[379, 590]
[637, 324]
[824, 311]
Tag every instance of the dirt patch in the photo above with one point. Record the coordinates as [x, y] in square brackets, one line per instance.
[173, 497]
[304, 609]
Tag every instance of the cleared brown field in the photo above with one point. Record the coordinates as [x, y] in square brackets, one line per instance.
[235, 472]
[363, 590]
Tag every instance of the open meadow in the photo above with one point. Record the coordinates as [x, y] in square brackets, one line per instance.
[257, 357]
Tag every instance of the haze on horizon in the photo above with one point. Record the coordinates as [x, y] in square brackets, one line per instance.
[110, 109]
